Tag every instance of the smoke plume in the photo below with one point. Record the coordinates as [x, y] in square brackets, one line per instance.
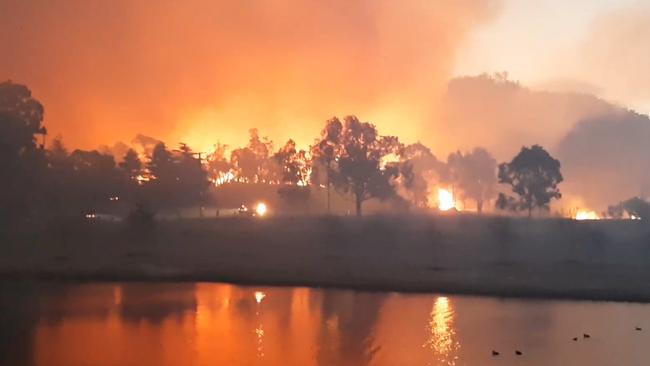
[199, 71]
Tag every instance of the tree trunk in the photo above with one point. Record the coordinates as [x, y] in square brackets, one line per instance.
[530, 211]
[479, 206]
[328, 192]
[358, 204]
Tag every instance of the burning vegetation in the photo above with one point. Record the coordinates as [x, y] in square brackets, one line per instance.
[350, 163]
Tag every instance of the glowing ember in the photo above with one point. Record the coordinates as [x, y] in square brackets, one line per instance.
[141, 179]
[586, 215]
[260, 209]
[445, 200]
[259, 296]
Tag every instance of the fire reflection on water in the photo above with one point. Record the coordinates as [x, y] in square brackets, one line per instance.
[150, 324]
[259, 331]
[442, 332]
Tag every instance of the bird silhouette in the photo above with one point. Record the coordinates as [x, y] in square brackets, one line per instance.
[575, 339]
[638, 328]
[518, 353]
[586, 335]
[495, 353]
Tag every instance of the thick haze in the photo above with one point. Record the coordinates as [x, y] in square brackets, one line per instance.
[607, 158]
[200, 71]
[502, 115]
[203, 71]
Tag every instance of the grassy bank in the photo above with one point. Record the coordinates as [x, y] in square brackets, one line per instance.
[600, 260]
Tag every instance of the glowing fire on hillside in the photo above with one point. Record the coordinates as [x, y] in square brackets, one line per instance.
[446, 200]
[586, 215]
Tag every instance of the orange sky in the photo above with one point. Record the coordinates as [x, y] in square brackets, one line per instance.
[203, 71]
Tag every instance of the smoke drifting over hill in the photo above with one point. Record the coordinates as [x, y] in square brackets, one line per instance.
[603, 148]
[607, 158]
[502, 115]
[615, 55]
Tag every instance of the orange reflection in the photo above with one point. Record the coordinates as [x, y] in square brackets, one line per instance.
[442, 333]
[217, 324]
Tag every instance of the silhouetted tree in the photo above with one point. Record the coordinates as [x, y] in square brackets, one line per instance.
[161, 164]
[360, 155]
[218, 166]
[179, 179]
[324, 154]
[635, 207]
[252, 162]
[61, 181]
[131, 165]
[192, 178]
[473, 174]
[418, 166]
[21, 117]
[291, 164]
[57, 154]
[95, 179]
[163, 185]
[22, 160]
[246, 164]
[533, 175]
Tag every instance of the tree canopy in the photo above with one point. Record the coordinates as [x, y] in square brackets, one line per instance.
[473, 175]
[533, 176]
[360, 151]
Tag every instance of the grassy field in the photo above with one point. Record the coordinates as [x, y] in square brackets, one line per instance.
[549, 258]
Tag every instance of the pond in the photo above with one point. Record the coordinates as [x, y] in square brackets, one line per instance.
[221, 324]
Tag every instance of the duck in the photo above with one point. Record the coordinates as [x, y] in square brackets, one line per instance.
[495, 353]
[518, 352]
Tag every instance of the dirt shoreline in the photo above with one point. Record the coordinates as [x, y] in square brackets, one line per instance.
[541, 259]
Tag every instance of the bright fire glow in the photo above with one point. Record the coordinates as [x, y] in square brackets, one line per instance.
[445, 200]
[442, 339]
[141, 178]
[261, 209]
[224, 177]
[259, 296]
[586, 215]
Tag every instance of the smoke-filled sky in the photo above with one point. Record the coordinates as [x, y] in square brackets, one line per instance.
[202, 71]
[207, 70]
[594, 46]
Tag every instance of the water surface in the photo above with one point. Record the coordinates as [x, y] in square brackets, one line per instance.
[220, 324]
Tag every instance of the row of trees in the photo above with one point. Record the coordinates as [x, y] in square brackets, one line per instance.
[350, 157]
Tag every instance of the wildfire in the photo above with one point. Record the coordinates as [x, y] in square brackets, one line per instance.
[445, 200]
[586, 215]
[261, 209]
[142, 178]
[224, 178]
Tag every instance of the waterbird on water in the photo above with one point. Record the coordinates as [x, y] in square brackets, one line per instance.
[495, 353]
[518, 353]
[586, 335]
[638, 328]
[575, 339]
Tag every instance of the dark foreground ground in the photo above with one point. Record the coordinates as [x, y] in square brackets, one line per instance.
[599, 260]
